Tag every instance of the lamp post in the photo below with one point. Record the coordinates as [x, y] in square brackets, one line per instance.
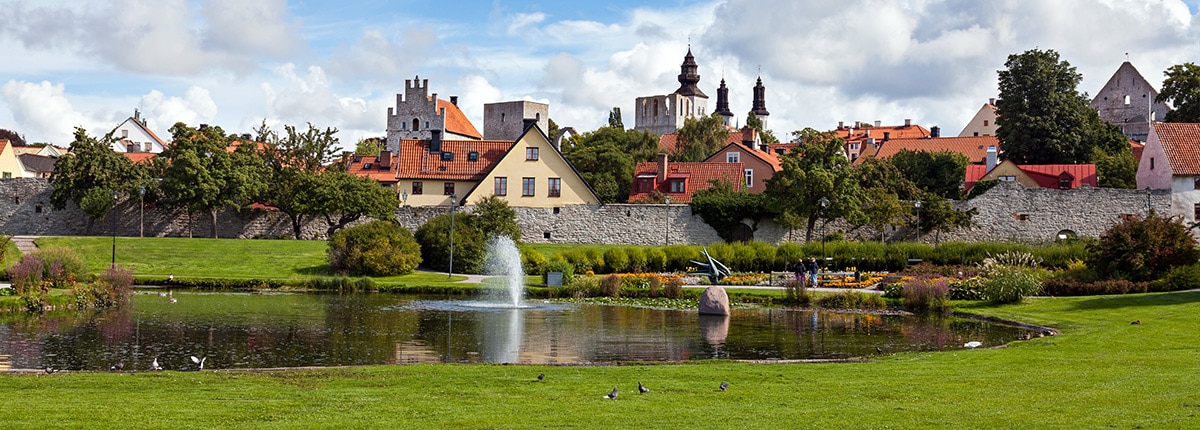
[453, 198]
[917, 204]
[824, 202]
[142, 211]
[114, 229]
[668, 241]
[404, 198]
[1148, 207]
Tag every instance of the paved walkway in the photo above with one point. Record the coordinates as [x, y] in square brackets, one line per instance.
[25, 243]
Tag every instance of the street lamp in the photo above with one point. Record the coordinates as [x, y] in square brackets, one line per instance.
[453, 198]
[824, 202]
[114, 229]
[142, 211]
[917, 204]
[404, 198]
[668, 241]
[1148, 207]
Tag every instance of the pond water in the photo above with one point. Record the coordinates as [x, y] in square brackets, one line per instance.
[243, 330]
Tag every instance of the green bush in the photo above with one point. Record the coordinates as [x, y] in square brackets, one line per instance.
[559, 265]
[797, 292]
[62, 265]
[338, 283]
[1143, 249]
[532, 261]
[679, 256]
[787, 253]
[656, 260]
[967, 289]
[376, 248]
[1010, 284]
[578, 260]
[616, 260]
[764, 256]
[1182, 278]
[470, 245]
[852, 300]
[637, 259]
[1061, 287]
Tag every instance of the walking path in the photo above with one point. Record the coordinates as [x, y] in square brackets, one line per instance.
[25, 243]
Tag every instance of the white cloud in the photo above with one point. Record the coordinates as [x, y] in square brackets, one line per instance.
[298, 99]
[194, 108]
[45, 114]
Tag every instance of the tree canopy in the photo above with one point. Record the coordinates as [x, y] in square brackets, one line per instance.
[765, 135]
[816, 169]
[295, 160]
[1181, 88]
[700, 137]
[606, 157]
[201, 172]
[1042, 118]
[89, 174]
[940, 173]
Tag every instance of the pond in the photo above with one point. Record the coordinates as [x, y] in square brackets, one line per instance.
[245, 330]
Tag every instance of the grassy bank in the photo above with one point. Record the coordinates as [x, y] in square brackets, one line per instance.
[1101, 371]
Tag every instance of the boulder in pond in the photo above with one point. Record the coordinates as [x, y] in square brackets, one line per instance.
[714, 301]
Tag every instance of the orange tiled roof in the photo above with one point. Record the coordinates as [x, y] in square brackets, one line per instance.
[912, 131]
[1137, 148]
[138, 157]
[368, 166]
[456, 121]
[414, 161]
[3, 145]
[697, 174]
[1181, 143]
[973, 147]
[1047, 175]
[770, 158]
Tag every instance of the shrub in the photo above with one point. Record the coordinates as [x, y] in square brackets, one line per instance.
[1010, 284]
[797, 292]
[637, 259]
[787, 253]
[532, 261]
[674, 288]
[967, 289]
[339, 283]
[376, 248]
[616, 260]
[655, 287]
[110, 289]
[1065, 286]
[493, 217]
[583, 286]
[852, 300]
[559, 265]
[470, 245]
[656, 260]
[26, 278]
[1181, 278]
[679, 256]
[611, 284]
[927, 295]
[1141, 249]
[62, 265]
[578, 260]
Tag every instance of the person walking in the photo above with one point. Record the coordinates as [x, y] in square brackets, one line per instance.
[799, 269]
[813, 270]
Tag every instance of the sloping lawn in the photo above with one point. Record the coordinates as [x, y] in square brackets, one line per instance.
[1101, 371]
[198, 258]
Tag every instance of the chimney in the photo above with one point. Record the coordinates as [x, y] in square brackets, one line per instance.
[908, 122]
[435, 141]
[871, 141]
[878, 123]
[454, 100]
[526, 123]
[992, 101]
[385, 160]
[840, 124]
[991, 158]
[935, 131]
[662, 167]
[246, 136]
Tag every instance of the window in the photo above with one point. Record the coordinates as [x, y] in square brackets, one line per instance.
[527, 187]
[37, 208]
[1007, 179]
[416, 124]
[124, 134]
[447, 156]
[447, 188]
[677, 186]
[426, 124]
[501, 186]
[1196, 184]
[985, 123]
[473, 156]
[7, 175]
[555, 187]
[1195, 212]
[733, 157]
[1151, 163]
[531, 154]
[1064, 183]
[132, 147]
[418, 188]
[1126, 100]
[645, 185]
[749, 178]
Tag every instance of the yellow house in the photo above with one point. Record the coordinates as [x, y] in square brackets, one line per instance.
[10, 166]
[528, 172]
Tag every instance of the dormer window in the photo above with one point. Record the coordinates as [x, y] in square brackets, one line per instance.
[447, 156]
[678, 186]
[473, 156]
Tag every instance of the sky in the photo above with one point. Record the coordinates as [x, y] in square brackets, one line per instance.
[239, 63]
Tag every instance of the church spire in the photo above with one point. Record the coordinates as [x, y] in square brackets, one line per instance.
[723, 103]
[689, 77]
[760, 100]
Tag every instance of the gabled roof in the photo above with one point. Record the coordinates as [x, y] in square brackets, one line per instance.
[148, 131]
[414, 161]
[973, 147]
[456, 121]
[669, 142]
[911, 131]
[1137, 148]
[1181, 144]
[1047, 175]
[767, 157]
[37, 163]
[368, 166]
[534, 128]
[139, 157]
[699, 176]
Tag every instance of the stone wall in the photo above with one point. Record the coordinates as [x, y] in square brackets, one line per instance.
[1007, 212]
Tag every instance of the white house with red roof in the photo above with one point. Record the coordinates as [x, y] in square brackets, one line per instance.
[132, 136]
[1171, 161]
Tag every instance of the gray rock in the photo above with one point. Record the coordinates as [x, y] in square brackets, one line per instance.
[714, 301]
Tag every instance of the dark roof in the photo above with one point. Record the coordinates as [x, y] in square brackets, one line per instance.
[37, 163]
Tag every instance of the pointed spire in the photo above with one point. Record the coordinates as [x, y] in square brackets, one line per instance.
[723, 103]
[760, 100]
[689, 76]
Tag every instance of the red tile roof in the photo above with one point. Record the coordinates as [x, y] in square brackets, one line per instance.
[767, 157]
[698, 176]
[368, 166]
[1047, 175]
[973, 147]
[456, 121]
[414, 161]
[1181, 143]
[669, 143]
[139, 157]
[1137, 148]
[911, 131]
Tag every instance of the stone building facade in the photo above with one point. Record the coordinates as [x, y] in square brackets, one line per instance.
[420, 115]
[1127, 100]
[664, 114]
[506, 120]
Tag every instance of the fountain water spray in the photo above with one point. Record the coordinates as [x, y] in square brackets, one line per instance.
[504, 259]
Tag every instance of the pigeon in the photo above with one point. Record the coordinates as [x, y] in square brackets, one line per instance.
[173, 300]
[973, 344]
[724, 386]
[118, 367]
[50, 370]
[642, 388]
[1136, 322]
[154, 367]
[612, 395]
[541, 376]
[199, 362]
[878, 350]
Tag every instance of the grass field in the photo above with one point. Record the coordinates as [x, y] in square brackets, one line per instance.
[1101, 371]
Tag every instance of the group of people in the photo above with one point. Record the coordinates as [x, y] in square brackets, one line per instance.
[809, 271]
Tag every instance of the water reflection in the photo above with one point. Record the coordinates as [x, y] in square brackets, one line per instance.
[285, 330]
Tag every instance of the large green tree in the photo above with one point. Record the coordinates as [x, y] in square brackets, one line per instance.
[90, 173]
[342, 198]
[201, 172]
[1118, 170]
[1041, 116]
[295, 160]
[816, 169]
[370, 145]
[1181, 88]
[606, 157]
[941, 173]
[700, 137]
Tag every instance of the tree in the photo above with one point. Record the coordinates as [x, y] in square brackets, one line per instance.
[551, 129]
[1181, 88]
[470, 245]
[614, 119]
[1143, 249]
[342, 198]
[766, 136]
[89, 174]
[1042, 118]
[700, 137]
[724, 209]
[938, 214]
[816, 169]
[13, 137]
[495, 218]
[882, 209]
[940, 173]
[294, 161]
[377, 248]
[606, 157]
[1118, 170]
[370, 145]
[202, 172]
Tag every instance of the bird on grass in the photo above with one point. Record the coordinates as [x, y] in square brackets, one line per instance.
[973, 344]
[541, 376]
[118, 367]
[1136, 322]
[50, 370]
[642, 388]
[724, 386]
[878, 350]
[612, 395]
[199, 362]
[154, 367]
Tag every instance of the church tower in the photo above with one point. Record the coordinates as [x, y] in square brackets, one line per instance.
[666, 113]
[760, 103]
[689, 76]
[723, 104]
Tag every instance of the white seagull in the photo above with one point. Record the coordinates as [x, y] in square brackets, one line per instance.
[154, 367]
[199, 362]
[973, 344]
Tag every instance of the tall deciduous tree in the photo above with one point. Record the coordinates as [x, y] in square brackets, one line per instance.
[1042, 118]
[342, 198]
[12, 136]
[89, 174]
[882, 209]
[700, 137]
[754, 122]
[1118, 170]
[202, 171]
[816, 169]
[370, 145]
[295, 161]
[614, 119]
[1181, 88]
[605, 158]
[941, 173]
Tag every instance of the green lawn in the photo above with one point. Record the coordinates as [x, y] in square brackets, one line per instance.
[1100, 372]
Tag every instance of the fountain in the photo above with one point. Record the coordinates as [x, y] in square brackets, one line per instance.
[504, 259]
